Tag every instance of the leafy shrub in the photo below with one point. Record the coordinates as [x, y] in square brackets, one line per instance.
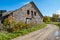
[46, 19]
[14, 27]
[9, 26]
[6, 22]
[58, 25]
[9, 36]
[32, 23]
[22, 25]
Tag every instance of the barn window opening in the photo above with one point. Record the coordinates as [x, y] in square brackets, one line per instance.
[35, 13]
[32, 13]
[0, 15]
[28, 12]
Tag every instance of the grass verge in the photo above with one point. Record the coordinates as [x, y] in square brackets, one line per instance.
[9, 36]
[55, 23]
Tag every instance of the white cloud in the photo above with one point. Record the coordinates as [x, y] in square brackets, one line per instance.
[26, 2]
[50, 15]
[58, 12]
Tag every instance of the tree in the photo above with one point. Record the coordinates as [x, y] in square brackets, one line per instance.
[46, 19]
[55, 17]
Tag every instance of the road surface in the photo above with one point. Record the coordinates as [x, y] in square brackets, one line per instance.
[42, 34]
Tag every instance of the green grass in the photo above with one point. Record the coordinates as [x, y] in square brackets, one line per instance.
[9, 36]
[55, 23]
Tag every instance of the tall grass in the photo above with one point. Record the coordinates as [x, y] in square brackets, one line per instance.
[9, 36]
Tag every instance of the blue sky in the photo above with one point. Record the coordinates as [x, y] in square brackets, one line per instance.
[47, 7]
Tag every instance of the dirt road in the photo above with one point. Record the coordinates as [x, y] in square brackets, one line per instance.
[42, 34]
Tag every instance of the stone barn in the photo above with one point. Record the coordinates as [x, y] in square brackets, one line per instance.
[28, 13]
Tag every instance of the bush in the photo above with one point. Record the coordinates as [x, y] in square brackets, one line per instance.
[22, 25]
[14, 27]
[46, 19]
[9, 26]
[32, 23]
[58, 25]
[6, 22]
[9, 36]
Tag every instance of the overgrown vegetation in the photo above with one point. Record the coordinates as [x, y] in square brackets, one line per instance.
[14, 29]
[46, 19]
[9, 36]
[58, 25]
[54, 18]
[55, 23]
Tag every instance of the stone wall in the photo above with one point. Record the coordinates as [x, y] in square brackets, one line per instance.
[21, 14]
